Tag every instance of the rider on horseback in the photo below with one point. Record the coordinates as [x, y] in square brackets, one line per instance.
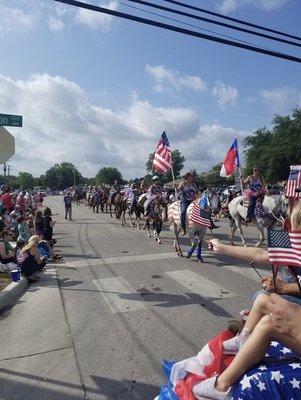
[156, 188]
[188, 190]
[257, 188]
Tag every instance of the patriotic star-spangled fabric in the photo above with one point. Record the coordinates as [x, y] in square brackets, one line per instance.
[200, 216]
[284, 247]
[162, 159]
[277, 377]
[294, 182]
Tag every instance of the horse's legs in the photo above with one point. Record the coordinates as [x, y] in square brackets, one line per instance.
[193, 240]
[261, 235]
[238, 223]
[157, 225]
[147, 225]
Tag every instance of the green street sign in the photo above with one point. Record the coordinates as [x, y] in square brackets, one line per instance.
[11, 120]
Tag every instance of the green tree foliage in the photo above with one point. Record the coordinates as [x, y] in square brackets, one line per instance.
[108, 175]
[25, 180]
[178, 164]
[275, 149]
[212, 178]
[61, 176]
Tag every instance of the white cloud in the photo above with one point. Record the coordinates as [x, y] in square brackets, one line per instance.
[15, 19]
[228, 6]
[226, 95]
[165, 80]
[95, 20]
[55, 24]
[61, 124]
[281, 99]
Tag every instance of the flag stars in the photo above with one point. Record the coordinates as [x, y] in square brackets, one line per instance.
[295, 383]
[276, 376]
[261, 386]
[262, 368]
[245, 382]
[285, 350]
[274, 344]
[295, 365]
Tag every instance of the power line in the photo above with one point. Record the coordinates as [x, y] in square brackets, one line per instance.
[179, 30]
[212, 21]
[239, 21]
[184, 23]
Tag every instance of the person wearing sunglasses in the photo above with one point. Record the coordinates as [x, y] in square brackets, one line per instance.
[7, 254]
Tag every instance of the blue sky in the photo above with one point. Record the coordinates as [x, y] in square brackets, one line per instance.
[98, 91]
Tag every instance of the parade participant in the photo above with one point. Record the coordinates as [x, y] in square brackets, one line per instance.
[116, 186]
[7, 200]
[188, 191]
[156, 188]
[48, 224]
[68, 205]
[257, 188]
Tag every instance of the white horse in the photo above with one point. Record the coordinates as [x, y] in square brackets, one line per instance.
[195, 231]
[274, 207]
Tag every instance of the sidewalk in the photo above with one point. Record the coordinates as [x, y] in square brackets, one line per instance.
[37, 359]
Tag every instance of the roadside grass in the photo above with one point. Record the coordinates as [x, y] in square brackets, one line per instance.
[5, 280]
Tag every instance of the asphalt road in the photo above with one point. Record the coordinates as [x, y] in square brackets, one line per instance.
[128, 302]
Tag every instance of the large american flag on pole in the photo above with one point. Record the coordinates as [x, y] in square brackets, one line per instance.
[200, 216]
[162, 159]
[284, 247]
[294, 182]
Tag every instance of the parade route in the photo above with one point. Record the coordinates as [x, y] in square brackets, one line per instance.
[98, 323]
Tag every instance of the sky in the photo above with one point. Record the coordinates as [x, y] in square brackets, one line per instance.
[98, 91]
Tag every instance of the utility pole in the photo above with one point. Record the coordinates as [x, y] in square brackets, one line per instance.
[8, 173]
[74, 183]
[4, 172]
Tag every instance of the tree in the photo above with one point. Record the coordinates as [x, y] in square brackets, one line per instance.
[178, 164]
[108, 175]
[212, 178]
[276, 149]
[62, 175]
[26, 180]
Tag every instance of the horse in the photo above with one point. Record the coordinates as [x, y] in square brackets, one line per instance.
[131, 205]
[196, 232]
[95, 201]
[153, 213]
[273, 209]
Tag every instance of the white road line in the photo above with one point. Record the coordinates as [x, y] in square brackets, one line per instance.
[121, 259]
[119, 295]
[247, 272]
[197, 284]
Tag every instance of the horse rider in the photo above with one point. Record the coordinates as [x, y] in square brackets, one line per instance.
[188, 191]
[155, 189]
[256, 189]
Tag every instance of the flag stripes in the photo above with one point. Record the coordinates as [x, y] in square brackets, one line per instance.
[162, 160]
[200, 216]
[294, 182]
[284, 247]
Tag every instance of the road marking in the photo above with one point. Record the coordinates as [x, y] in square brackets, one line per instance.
[119, 294]
[121, 259]
[247, 272]
[197, 284]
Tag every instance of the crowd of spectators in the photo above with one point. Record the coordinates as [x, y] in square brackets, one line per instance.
[26, 233]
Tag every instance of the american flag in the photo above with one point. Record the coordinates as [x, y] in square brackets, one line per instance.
[200, 216]
[162, 159]
[284, 247]
[294, 182]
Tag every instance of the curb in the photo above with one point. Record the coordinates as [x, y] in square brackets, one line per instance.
[11, 293]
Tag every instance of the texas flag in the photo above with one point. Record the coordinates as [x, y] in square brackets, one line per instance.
[231, 161]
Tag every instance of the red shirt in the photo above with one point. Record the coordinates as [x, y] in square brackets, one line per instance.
[7, 201]
[21, 202]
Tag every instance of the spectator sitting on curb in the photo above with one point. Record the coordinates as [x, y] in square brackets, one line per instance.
[7, 255]
[38, 223]
[23, 230]
[29, 260]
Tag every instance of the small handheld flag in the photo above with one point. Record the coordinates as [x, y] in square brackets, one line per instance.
[200, 216]
[162, 159]
[231, 161]
[284, 247]
[294, 182]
